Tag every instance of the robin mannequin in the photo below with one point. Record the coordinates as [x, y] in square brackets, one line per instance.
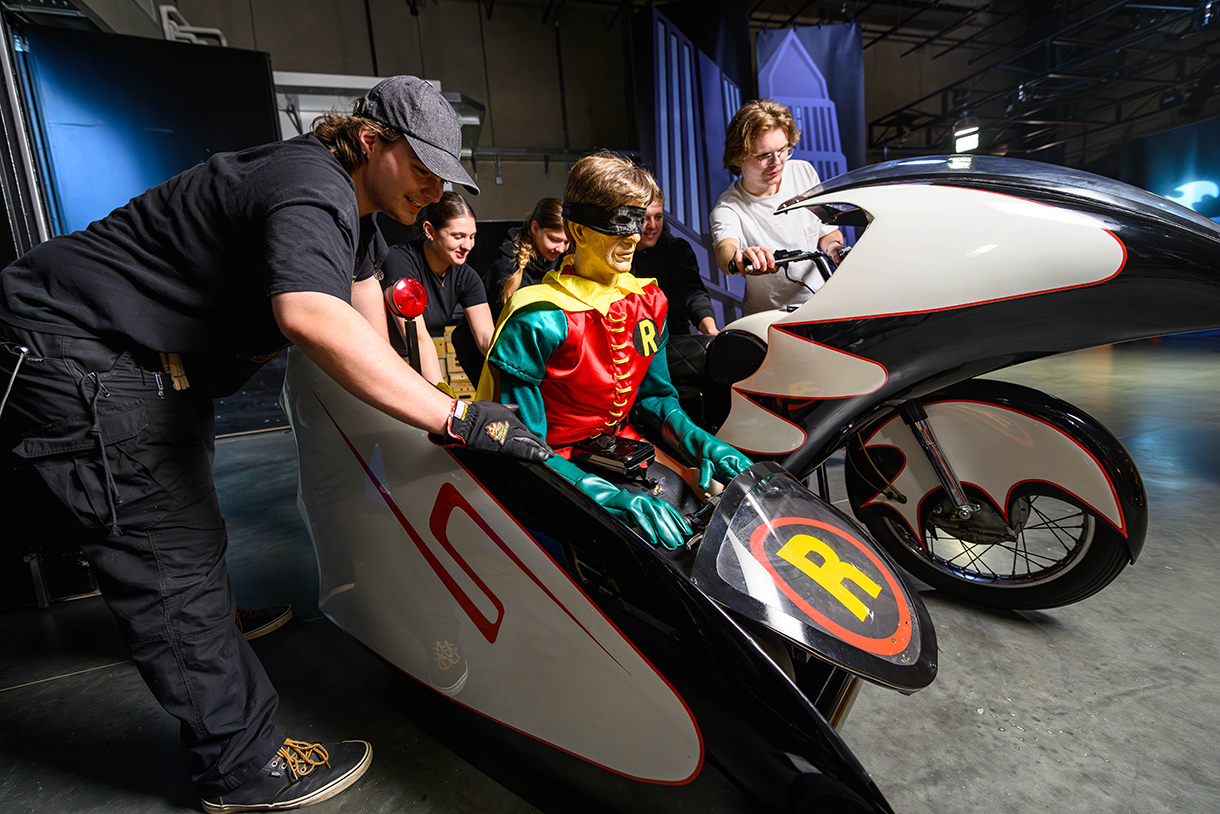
[577, 352]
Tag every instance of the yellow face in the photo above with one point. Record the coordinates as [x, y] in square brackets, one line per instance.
[602, 257]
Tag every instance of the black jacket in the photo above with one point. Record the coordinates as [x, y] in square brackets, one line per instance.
[505, 266]
[674, 265]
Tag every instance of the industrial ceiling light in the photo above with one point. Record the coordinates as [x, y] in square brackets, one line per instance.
[1208, 15]
[966, 135]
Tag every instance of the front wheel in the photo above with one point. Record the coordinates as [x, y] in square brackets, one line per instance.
[1060, 555]
[1062, 509]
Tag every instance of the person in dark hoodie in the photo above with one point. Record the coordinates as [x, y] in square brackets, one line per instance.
[529, 252]
[671, 262]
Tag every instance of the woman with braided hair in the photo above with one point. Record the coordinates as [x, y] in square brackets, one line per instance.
[527, 254]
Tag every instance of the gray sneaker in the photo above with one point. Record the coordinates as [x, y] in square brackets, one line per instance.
[299, 775]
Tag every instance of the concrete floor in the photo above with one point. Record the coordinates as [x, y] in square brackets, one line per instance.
[1110, 705]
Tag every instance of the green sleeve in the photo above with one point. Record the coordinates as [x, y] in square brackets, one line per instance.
[656, 396]
[525, 342]
[528, 398]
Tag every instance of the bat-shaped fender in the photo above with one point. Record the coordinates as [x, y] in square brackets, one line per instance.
[1003, 440]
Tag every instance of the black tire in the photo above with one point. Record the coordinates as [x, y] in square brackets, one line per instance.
[1063, 552]
[1072, 555]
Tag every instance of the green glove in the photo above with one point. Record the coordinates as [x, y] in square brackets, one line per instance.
[657, 521]
[715, 457]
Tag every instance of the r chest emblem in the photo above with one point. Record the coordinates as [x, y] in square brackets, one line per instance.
[645, 337]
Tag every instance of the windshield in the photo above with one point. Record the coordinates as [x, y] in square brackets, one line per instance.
[776, 553]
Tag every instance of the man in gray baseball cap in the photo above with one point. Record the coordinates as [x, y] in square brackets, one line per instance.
[130, 328]
[414, 108]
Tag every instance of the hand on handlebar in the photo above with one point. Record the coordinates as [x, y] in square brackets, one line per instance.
[714, 457]
[824, 261]
[753, 261]
[837, 251]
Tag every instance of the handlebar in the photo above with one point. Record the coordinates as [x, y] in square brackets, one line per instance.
[785, 257]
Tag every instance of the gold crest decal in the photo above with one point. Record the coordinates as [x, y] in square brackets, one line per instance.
[498, 431]
[445, 654]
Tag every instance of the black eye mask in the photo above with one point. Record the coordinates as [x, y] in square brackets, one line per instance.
[622, 220]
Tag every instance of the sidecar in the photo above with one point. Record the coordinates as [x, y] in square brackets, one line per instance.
[632, 679]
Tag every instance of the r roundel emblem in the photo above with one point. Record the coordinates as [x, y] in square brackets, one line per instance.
[836, 581]
[645, 337]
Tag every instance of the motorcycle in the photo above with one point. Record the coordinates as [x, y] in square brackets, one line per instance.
[988, 491]
[712, 677]
[715, 677]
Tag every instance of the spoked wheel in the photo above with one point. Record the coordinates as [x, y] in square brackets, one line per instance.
[1051, 536]
[1053, 552]
[1048, 544]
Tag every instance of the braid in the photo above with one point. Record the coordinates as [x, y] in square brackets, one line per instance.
[521, 258]
[525, 251]
[548, 214]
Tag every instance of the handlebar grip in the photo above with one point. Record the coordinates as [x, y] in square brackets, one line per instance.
[733, 267]
[784, 257]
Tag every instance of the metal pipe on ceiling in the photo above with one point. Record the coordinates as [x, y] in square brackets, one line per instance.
[940, 34]
[927, 7]
[1084, 60]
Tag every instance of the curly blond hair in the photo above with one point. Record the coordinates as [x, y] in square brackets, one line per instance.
[751, 121]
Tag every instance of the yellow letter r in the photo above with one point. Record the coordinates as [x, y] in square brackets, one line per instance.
[831, 573]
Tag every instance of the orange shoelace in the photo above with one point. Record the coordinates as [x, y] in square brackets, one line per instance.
[301, 757]
[239, 615]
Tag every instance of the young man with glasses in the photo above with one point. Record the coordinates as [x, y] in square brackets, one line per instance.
[745, 229]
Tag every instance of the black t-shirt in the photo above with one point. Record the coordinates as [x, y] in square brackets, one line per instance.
[460, 286]
[190, 265]
[673, 264]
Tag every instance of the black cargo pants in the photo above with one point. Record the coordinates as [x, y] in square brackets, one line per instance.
[129, 462]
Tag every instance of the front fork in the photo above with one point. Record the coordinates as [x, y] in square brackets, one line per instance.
[916, 418]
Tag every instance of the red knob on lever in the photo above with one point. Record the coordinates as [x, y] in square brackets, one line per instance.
[406, 298]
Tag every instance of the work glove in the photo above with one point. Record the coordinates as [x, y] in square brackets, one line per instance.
[716, 458]
[488, 426]
[657, 521]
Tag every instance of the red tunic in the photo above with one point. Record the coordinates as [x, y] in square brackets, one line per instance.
[592, 378]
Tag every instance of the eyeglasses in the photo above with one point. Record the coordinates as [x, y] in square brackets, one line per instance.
[777, 157]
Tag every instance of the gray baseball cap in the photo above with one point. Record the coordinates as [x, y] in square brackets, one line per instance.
[414, 108]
